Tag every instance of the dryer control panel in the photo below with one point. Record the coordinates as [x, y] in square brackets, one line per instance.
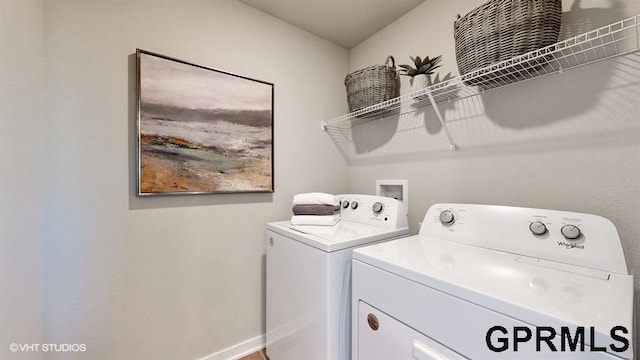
[380, 211]
[579, 239]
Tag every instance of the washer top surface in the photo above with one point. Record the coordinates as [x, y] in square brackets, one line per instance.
[342, 231]
[344, 234]
[363, 219]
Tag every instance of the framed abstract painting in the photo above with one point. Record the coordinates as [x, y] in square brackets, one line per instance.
[201, 130]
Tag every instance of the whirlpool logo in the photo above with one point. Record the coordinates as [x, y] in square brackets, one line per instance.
[501, 339]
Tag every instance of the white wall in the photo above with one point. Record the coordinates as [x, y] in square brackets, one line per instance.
[172, 277]
[21, 174]
[568, 142]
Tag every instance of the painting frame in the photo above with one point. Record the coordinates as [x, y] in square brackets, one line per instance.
[201, 130]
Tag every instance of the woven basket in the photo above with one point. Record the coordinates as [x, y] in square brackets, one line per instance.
[502, 29]
[372, 85]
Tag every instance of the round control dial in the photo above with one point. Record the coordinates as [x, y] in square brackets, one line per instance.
[446, 217]
[354, 205]
[377, 207]
[538, 228]
[345, 204]
[570, 232]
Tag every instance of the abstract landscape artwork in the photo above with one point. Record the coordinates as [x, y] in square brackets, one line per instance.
[201, 130]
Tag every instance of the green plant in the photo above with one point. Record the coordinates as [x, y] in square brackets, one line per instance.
[422, 66]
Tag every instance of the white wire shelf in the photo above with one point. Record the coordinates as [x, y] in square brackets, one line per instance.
[616, 39]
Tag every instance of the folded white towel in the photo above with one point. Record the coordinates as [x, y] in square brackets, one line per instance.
[325, 220]
[315, 198]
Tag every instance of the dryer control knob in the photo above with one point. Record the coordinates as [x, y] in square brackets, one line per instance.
[538, 228]
[345, 204]
[374, 324]
[354, 205]
[571, 232]
[377, 207]
[447, 218]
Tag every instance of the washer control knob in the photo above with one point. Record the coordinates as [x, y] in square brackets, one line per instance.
[447, 218]
[538, 227]
[377, 207]
[354, 205]
[345, 204]
[570, 232]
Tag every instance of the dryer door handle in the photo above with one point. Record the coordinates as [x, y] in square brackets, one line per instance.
[423, 352]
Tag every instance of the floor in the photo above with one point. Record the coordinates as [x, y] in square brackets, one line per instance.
[258, 355]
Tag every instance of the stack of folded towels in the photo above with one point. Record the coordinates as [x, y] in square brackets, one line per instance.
[315, 209]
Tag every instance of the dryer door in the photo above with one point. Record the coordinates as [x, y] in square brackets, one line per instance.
[381, 337]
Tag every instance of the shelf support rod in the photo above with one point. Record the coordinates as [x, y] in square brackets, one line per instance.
[452, 144]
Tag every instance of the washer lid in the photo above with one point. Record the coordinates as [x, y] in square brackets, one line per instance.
[344, 234]
[541, 293]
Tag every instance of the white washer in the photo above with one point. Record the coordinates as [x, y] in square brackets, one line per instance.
[309, 277]
[478, 280]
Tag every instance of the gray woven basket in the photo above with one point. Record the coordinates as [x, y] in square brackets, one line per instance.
[372, 85]
[502, 29]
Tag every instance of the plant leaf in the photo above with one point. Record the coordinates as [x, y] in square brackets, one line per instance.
[418, 62]
[424, 69]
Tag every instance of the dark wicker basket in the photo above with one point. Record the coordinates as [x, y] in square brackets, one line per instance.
[502, 29]
[372, 85]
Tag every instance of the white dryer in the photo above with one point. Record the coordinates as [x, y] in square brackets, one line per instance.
[493, 282]
[309, 277]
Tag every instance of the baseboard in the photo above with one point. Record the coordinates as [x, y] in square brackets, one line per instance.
[238, 350]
